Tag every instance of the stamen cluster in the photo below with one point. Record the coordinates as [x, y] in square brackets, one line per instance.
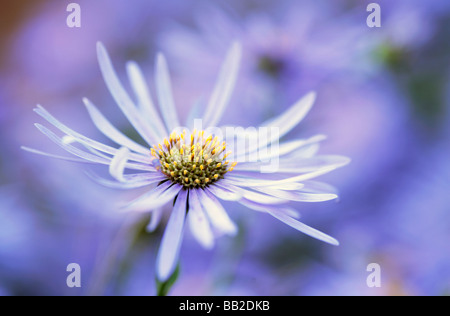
[193, 161]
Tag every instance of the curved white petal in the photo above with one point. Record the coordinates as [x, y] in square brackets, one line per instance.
[128, 183]
[224, 193]
[260, 207]
[110, 131]
[294, 115]
[313, 186]
[164, 93]
[254, 182]
[287, 120]
[308, 151]
[198, 222]
[142, 166]
[299, 196]
[71, 149]
[216, 213]
[156, 198]
[253, 196]
[303, 228]
[302, 165]
[284, 149]
[155, 220]
[85, 141]
[122, 98]
[117, 166]
[224, 87]
[171, 242]
[38, 152]
[145, 102]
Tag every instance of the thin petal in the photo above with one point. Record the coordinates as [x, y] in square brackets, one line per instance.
[155, 220]
[284, 149]
[122, 98]
[156, 198]
[128, 184]
[312, 186]
[194, 113]
[308, 151]
[290, 186]
[249, 182]
[172, 239]
[223, 193]
[118, 163]
[296, 166]
[83, 139]
[38, 152]
[164, 92]
[110, 131]
[71, 149]
[260, 207]
[144, 166]
[287, 121]
[144, 99]
[303, 228]
[216, 213]
[294, 115]
[198, 222]
[298, 196]
[254, 196]
[224, 87]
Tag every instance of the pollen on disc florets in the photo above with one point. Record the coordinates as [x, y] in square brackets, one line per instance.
[193, 161]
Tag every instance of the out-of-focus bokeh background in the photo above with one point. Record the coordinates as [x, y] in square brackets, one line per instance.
[383, 100]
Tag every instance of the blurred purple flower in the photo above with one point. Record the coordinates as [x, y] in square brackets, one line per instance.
[290, 51]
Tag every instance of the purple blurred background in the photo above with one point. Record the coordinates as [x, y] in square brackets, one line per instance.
[383, 100]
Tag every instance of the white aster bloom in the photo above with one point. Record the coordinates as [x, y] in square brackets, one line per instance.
[191, 170]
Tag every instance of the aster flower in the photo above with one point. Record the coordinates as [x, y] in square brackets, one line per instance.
[194, 169]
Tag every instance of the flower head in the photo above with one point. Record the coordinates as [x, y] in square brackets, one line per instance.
[193, 169]
[193, 162]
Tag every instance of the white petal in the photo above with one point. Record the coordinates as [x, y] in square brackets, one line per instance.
[305, 152]
[303, 228]
[156, 198]
[287, 121]
[85, 141]
[155, 220]
[302, 165]
[128, 184]
[38, 152]
[198, 222]
[259, 207]
[284, 149]
[71, 149]
[298, 196]
[313, 186]
[224, 193]
[122, 98]
[137, 177]
[216, 213]
[145, 101]
[294, 115]
[171, 242]
[118, 163]
[253, 196]
[110, 131]
[145, 166]
[249, 182]
[164, 92]
[194, 113]
[224, 87]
